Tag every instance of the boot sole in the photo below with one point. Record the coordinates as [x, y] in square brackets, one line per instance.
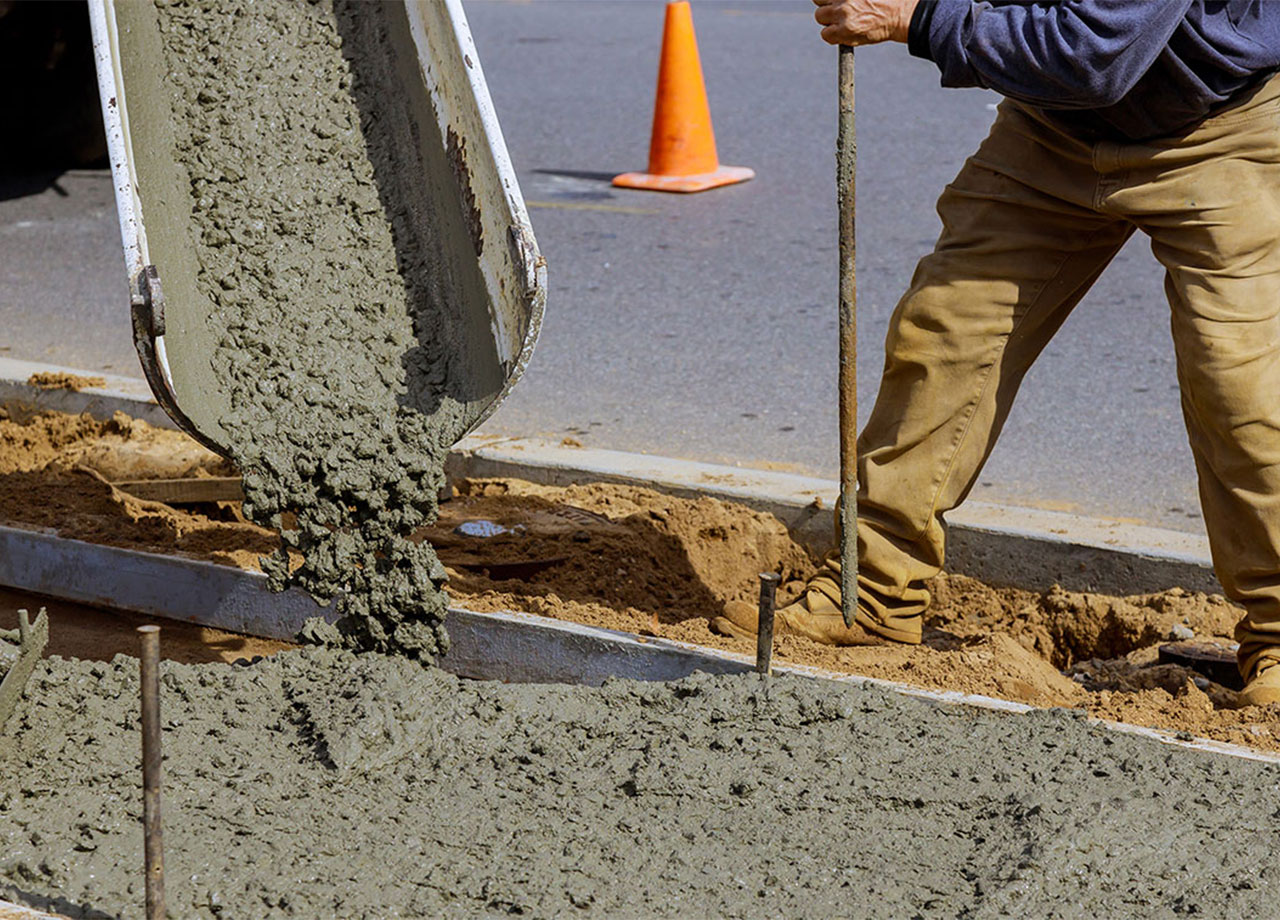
[726, 627]
[1267, 696]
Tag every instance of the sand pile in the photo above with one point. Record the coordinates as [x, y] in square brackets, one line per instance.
[1067, 628]
[120, 448]
[621, 556]
[322, 784]
[61, 380]
[56, 472]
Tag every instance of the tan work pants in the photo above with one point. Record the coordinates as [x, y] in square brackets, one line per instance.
[1028, 225]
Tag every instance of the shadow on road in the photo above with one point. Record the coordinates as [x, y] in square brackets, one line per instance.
[606, 177]
[49, 94]
[575, 184]
[15, 184]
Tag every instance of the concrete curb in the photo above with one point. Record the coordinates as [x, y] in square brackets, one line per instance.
[118, 394]
[1000, 544]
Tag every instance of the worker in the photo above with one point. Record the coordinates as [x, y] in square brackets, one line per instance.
[1118, 115]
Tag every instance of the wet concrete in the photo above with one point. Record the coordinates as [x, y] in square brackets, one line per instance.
[322, 783]
[328, 329]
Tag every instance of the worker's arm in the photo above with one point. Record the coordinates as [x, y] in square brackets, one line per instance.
[1063, 54]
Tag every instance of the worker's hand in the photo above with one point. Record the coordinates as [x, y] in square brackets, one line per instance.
[864, 22]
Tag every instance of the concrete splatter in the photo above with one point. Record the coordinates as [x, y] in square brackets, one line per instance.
[326, 327]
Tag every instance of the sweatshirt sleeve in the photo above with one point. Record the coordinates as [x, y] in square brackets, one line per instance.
[1070, 54]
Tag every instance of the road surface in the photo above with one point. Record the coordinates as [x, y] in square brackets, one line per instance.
[705, 326]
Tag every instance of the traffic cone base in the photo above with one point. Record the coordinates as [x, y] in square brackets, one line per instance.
[682, 147]
[725, 175]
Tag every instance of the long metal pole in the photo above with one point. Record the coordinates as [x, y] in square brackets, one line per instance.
[149, 637]
[846, 169]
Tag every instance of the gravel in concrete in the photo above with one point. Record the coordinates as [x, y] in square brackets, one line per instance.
[322, 783]
[327, 326]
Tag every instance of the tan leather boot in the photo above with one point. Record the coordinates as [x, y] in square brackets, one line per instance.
[815, 615]
[1263, 686]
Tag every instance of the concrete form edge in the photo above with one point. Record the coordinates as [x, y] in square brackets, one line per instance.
[11, 911]
[490, 646]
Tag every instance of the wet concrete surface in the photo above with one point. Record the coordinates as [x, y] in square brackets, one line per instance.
[319, 783]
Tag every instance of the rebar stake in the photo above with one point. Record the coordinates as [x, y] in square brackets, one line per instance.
[764, 624]
[149, 636]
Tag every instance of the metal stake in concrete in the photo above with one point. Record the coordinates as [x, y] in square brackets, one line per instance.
[846, 168]
[149, 637]
[764, 624]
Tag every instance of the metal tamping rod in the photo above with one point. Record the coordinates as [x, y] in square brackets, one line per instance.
[846, 170]
[764, 625]
[153, 851]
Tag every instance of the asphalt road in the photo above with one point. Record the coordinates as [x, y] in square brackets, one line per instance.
[705, 326]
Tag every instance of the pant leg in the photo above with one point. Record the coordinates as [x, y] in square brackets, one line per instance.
[1021, 243]
[1211, 203]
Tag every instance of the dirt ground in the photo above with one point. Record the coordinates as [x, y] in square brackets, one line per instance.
[633, 559]
[56, 472]
[60, 380]
[96, 634]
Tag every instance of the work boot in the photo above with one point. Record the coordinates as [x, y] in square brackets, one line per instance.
[1263, 686]
[815, 615]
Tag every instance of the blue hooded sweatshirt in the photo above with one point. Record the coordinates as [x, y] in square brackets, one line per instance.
[1123, 69]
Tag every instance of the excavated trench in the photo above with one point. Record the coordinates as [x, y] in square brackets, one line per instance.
[641, 561]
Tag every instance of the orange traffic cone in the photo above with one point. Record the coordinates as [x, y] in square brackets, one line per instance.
[682, 149]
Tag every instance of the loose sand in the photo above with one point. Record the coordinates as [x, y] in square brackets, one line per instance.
[56, 472]
[60, 380]
[324, 784]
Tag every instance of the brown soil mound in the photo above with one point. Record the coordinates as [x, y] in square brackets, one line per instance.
[638, 552]
[633, 559]
[57, 380]
[1066, 627]
[658, 565]
[119, 448]
[56, 472]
